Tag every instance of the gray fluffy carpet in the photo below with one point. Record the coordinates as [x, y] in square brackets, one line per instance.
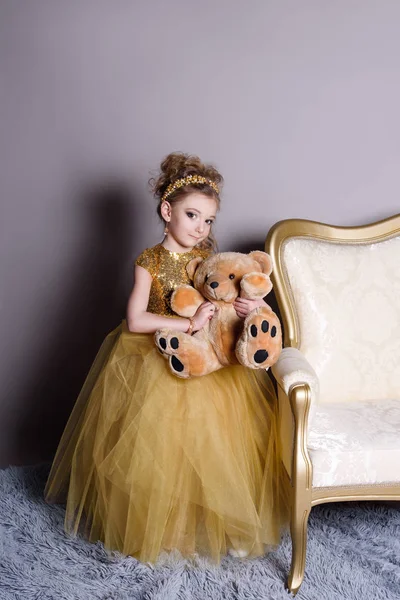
[353, 553]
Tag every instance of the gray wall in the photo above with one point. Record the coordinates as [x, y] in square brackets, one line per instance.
[297, 102]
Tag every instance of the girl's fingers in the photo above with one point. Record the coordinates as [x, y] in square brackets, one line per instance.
[240, 301]
[242, 308]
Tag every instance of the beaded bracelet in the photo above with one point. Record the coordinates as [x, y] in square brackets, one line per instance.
[191, 324]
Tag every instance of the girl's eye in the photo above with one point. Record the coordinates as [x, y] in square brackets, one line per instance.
[231, 276]
[209, 221]
[190, 215]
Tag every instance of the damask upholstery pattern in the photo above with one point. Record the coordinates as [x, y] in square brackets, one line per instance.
[347, 298]
[355, 443]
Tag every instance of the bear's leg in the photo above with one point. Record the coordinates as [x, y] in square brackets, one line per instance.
[188, 355]
[260, 344]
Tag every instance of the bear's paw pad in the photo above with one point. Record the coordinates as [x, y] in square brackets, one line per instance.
[264, 339]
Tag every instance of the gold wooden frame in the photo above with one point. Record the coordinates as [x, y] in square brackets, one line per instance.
[303, 495]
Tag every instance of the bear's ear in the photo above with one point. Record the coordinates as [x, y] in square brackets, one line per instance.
[263, 259]
[192, 266]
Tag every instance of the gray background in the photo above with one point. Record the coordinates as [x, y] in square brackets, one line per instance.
[297, 102]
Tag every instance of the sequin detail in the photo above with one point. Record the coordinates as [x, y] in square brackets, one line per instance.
[168, 270]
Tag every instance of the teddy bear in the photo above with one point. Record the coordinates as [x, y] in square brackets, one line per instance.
[227, 339]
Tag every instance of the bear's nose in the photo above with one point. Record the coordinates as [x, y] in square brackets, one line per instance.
[214, 284]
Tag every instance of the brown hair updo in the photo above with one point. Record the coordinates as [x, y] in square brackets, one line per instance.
[178, 165]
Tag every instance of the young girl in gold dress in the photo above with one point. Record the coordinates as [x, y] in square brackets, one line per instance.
[149, 462]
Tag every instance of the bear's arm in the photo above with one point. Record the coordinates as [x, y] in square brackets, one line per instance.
[186, 300]
[255, 285]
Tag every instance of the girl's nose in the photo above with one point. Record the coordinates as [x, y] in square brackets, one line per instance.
[200, 227]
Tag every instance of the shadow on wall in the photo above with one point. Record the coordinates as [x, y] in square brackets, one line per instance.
[94, 303]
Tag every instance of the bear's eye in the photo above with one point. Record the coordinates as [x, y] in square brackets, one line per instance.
[205, 279]
[231, 276]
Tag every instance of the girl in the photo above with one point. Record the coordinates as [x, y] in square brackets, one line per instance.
[149, 462]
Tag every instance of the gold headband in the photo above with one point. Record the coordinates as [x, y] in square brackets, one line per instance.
[187, 181]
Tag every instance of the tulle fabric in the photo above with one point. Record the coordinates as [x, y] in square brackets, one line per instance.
[149, 462]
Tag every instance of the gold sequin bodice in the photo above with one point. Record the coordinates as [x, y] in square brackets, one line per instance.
[168, 270]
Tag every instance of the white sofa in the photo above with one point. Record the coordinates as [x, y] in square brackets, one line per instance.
[338, 291]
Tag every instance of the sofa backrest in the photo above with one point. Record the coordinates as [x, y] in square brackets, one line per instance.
[346, 298]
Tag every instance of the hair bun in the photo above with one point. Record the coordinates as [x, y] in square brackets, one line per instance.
[177, 162]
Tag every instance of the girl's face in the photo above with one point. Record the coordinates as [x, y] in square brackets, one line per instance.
[189, 220]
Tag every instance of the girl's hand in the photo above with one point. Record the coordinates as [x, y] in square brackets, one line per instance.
[203, 314]
[243, 306]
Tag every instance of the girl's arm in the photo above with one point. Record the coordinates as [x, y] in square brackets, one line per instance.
[139, 320]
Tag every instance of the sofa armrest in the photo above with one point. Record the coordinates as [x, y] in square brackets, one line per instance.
[298, 388]
[292, 368]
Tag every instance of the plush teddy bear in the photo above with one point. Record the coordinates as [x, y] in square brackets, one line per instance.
[254, 342]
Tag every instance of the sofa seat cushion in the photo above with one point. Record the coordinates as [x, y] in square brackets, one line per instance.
[356, 443]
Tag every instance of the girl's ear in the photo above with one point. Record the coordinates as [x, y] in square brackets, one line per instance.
[264, 260]
[166, 211]
[192, 265]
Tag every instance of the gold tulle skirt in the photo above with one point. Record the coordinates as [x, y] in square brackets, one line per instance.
[149, 462]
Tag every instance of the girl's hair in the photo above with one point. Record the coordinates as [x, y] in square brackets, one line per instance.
[177, 166]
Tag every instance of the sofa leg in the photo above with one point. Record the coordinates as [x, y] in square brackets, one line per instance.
[300, 399]
[298, 530]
